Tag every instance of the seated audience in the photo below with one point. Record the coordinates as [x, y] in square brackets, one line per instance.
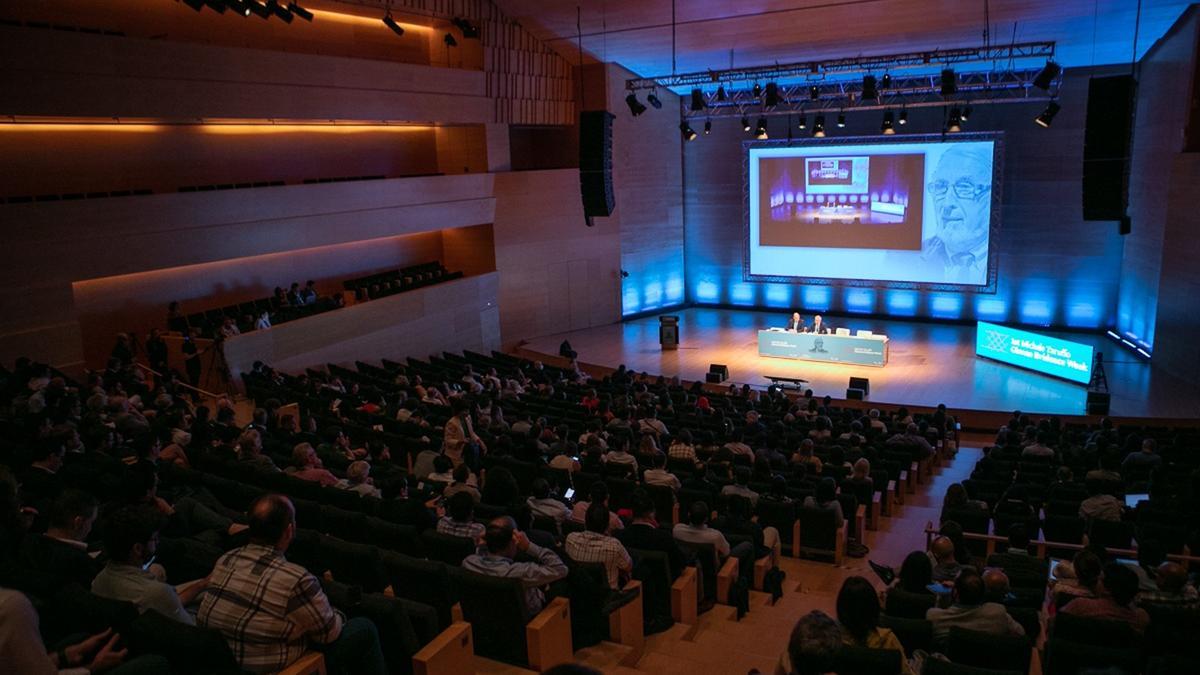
[130, 542]
[461, 480]
[697, 531]
[1100, 505]
[250, 452]
[1079, 578]
[1173, 589]
[956, 499]
[618, 454]
[271, 611]
[971, 610]
[996, 586]
[1017, 557]
[658, 475]
[502, 543]
[594, 545]
[1146, 458]
[740, 487]
[813, 646]
[61, 554]
[858, 614]
[459, 520]
[358, 479]
[644, 533]
[598, 494]
[307, 466]
[826, 500]
[945, 565]
[544, 505]
[1119, 587]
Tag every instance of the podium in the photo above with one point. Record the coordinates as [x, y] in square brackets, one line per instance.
[668, 332]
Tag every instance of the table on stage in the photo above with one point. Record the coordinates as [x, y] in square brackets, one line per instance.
[861, 350]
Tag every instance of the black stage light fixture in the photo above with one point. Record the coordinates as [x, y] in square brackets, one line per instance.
[194, 4]
[1046, 76]
[1046, 118]
[449, 40]
[721, 93]
[886, 82]
[707, 127]
[279, 10]
[841, 120]
[949, 82]
[216, 5]
[803, 122]
[653, 100]
[468, 29]
[819, 126]
[635, 106]
[966, 113]
[745, 123]
[903, 117]
[697, 100]
[869, 90]
[757, 90]
[888, 127]
[954, 123]
[391, 23]
[689, 134]
[814, 93]
[297, 10]
[761, 131]
[772, 97]
[260, 10]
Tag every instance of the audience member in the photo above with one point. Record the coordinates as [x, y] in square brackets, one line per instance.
[658, 475]
[502, 544]
[644, 534]
[858, 614]
[1100, 505]
[826, 500]
[971, 610]
[594, 545]
[813, 646]
[1119, 588]
[546, 506]
[358, 479]
[307, 466]
[598, 494]
[459, 520]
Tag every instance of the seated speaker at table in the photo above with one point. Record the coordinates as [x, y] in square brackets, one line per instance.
[819, 326]
[796, 323]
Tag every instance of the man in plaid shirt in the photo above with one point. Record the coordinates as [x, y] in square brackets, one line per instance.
[270, 610]
[594, 546]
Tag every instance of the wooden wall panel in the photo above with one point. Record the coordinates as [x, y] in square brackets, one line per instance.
[451, 317]
[539, 232]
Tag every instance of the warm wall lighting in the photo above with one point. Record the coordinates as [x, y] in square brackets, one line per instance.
[244, 127]
[372, 21]
[104, 127]
[258, 129]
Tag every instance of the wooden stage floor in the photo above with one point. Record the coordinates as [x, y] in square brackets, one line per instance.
[929, 363]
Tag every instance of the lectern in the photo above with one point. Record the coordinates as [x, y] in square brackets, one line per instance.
[668, 332]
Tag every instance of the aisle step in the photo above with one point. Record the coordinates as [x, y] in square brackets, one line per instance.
[485, 666]
[606, 655]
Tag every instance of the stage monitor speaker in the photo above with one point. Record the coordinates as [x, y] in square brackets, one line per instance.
[1097, 402]
[668, 331]
[854, 394]
[861, 383]
[595, 162]
[720, 369]
[1106, 139]
[713, 378]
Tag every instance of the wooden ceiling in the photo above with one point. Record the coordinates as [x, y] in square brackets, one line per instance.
[710, 34]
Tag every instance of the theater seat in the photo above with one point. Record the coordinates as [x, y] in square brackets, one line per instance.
[495, 606]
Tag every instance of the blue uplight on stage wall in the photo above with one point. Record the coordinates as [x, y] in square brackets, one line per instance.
[817, 297]
[779, 295]
[991, 308]
[860, 300]
[630, 302]
[707, 291]
[1082, 315]
[742, 294]
[902, 303]
[1036, 312]
[946, 306]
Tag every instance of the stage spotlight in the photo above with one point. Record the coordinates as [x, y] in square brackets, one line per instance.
[299, 11]
[886, 82]
[279, 10]
[689, 134]
[761, 132]
[888, 127]
[635, 106]
[903, 117]
[653, 100]
[869, 91]
[449, 40]
[745, 123]
[260, 10]
[707, 127]
[1046, 77]
[803, 122]
[949, 82]
[772, 98]
[814, 93]
[954, 123]
[1046, 118]
[194, 4]
[819, 126]
[469, 30]
[697, 99]
[391, 23]
[721, 93]
[757, 90]
[966, 113]
[841, 120]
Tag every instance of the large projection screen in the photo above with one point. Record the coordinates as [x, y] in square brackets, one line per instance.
[911, 212]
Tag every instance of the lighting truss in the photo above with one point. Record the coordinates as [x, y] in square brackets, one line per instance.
[914, 91]
[810, 70]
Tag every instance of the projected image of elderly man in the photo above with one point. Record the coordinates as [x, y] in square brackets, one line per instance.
[960, 188]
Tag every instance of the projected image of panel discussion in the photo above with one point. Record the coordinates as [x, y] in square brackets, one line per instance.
[915, 212]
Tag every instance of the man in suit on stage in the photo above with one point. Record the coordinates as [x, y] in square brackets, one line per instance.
[819, 327]
[795, 324]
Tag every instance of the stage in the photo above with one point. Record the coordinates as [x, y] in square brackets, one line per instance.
[929, 363]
